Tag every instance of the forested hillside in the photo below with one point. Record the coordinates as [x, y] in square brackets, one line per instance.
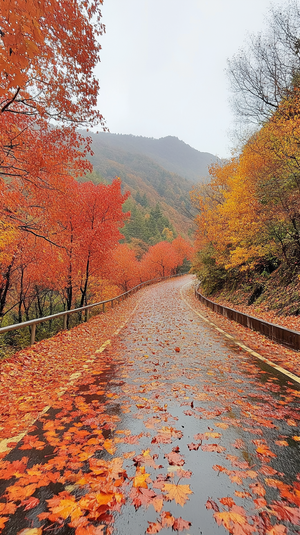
[168, 152]
[248, 223]
[145, 179]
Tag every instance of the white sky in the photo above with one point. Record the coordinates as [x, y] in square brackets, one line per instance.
[162, 67]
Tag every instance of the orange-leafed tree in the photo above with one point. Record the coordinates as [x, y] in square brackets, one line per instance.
[87, 222]
[101, 218]
[183, 249]
[160, 261]
[49, 49]
[37, 178]
[209, 199]
[123, 268]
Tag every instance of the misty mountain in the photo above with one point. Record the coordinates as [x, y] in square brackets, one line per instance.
[169, 152]
[163, 170]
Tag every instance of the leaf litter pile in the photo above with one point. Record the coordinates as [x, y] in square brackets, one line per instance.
[170, 428]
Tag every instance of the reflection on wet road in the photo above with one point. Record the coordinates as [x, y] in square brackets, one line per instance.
[173, 428]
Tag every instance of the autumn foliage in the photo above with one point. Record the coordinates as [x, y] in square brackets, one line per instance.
[249, 212]
[59, 237]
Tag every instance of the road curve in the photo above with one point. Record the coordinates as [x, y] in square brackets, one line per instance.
[173, 426]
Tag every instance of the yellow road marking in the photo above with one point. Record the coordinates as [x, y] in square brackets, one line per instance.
[240, 344]
[72, 379]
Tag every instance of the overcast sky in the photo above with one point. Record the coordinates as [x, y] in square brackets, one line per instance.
[162, 67]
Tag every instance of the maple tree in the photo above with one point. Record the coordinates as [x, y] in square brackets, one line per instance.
[48, 52]
[160, 260]
[81, 226]
[123, 270]
[47, 74]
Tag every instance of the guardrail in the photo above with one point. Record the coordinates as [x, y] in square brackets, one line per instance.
[33, 323]
[276, 333]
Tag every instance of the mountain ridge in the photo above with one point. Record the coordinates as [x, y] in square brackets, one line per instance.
[144, 164]
[169, 152]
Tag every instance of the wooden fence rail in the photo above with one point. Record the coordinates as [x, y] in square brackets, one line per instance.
[276, 333]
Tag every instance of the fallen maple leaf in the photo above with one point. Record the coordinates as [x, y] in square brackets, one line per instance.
[268, 471]
[210, 504]
[63, 506]
[109, 445]
[179, 493]
[154, 527]
[265, 451]
[199, 436]
[291, 422]
[193, 446]
[184, 473]
[140, 478]
[30, 503]
[142, 496]
[260, 503]
[242, 494]
[167, 519]
[17, 493]
[174, 459]
[180, 524]
[283, 512]
[235, 521]
[145, 458]
[16, 468]
[213, 447]
[280, 529]
[219, 468]
[8, 508]
[227, 501]
[258, 489]
[281, 443]
[222, 425]
[158, 503]
[208, 434]
[239, 444]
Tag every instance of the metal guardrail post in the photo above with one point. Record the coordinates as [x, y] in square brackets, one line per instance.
[87, 314]
[32, 334]
[103, 307]
[65, 322]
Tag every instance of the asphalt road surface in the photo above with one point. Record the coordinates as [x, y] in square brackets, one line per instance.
[172, 428]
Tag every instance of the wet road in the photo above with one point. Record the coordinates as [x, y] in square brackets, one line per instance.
[173, 427]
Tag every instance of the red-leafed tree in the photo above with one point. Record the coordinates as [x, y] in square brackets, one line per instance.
[102, 219]
[123, 268]
[49, 49]
[88, 219]
[183, 249]
[160, 261]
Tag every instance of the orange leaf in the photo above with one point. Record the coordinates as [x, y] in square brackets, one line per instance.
[140, 478]
[179, 493]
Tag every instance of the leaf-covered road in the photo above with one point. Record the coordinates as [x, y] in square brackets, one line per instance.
[170, 427]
